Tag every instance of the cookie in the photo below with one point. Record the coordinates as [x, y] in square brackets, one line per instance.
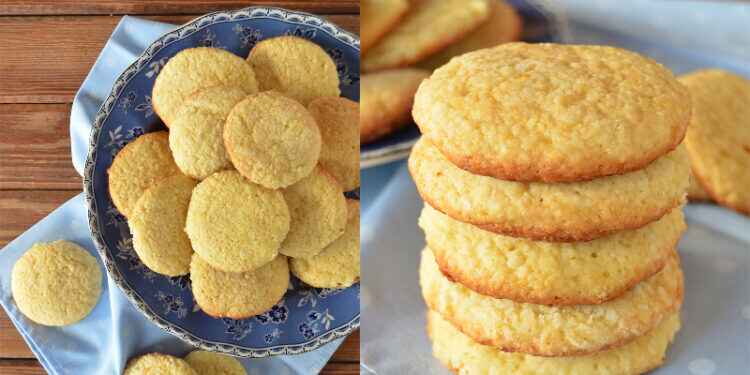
[553, 330]
[385, 101]
[337, 266]
[718, 139]
[377, 18]
[158, 226]
[272, 140]
[564, 212]
[194, 69]
[338, 121]
[548, 273]
[209, 363]
[503, 26]
[157, 363]
[318, 211]
[238, 295]
[430, 26]
[296, 67]
[552, 112]
[462, 355]
[196, 134]
[56, 283]
[234, 224]
[695, 191]
[138, 166]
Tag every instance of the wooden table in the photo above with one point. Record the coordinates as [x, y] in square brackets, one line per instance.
[46, 49]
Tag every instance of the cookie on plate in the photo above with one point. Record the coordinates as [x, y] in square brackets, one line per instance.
[548, 273]
[272, 140]
[318, 211]
[579, 211]
[210, 363]
[718, 139]
[429, 26]
[158, 363]
[377, 18]
[463, 355]
[553, 330]
[56, 283]
[552, 112]
[503, 26]
[337, 266]
[158, 226]
[234, 224]
[194, 69]
[139, 165]
[296, 67]
[238, 295]
[338, 121]
[385, 101]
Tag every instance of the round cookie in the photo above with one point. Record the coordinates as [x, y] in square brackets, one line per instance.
[377, 18]
[296, 67]
[318, 210]
[157, 363]
[337, 266]
[718, 139]
[385, 101]
[503, 26]
[429, 26]
[194, 69]
[564, 212]
[209, 363]
[139, 165]
[338, 121]
[238, 295]
[234, 224]
[548, 273]
[272, 140]
[158, 226]
[56, 283]
[462, 355]
[553, 330]
[552, 112]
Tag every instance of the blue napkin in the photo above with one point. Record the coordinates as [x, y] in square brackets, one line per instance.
[114, 331]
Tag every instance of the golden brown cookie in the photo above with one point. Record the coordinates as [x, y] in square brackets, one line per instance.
[338, 121]
[210, 363]
[157, 363]
[385, 101]
[552, 112]
[377, 18]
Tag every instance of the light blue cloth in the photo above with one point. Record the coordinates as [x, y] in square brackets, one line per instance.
[115, 331]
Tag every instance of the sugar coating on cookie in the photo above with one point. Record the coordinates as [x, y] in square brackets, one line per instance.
[377, 18]
[386, 99]
[429, 26]
[338, 121]
[553, 330]
[138, 166]
[234, 224]
[718, 138]
[552, 112]
[337, 266]
[210, 363]
[579, 211]
[318, 210]
[238, 295]
[158, 226]
[272, 140]
[296, 67]
[158, 363]
[550, 273]
[217, 99]
[463, 355]
[56, 283]
[194, 69]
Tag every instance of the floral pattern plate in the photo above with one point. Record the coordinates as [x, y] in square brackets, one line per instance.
[305, 318]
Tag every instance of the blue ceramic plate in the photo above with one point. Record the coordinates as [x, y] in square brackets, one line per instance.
[305, 318]
[539, 25]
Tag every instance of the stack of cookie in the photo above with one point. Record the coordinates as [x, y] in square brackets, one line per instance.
[553, 178]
